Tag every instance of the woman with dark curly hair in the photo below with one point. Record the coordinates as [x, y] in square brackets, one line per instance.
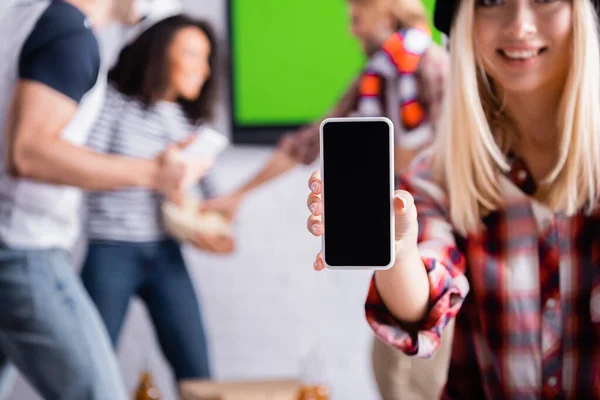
[161, 92]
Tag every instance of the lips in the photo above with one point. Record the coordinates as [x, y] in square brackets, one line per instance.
[521, 54]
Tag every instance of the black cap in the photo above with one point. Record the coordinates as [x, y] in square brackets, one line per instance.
[444, 14]
[445, 9]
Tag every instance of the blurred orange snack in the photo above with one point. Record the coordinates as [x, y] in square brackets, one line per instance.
[185, 222]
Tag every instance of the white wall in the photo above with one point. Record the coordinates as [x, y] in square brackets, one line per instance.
[267, 312]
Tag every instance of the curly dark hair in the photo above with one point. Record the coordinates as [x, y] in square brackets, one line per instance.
[141, 70]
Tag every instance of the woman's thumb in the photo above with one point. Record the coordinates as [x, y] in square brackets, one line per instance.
[405, 213]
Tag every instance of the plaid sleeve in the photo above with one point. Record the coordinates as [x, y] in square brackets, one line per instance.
[445, 268]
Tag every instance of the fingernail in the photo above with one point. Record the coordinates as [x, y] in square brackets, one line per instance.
[315, 265]
[401, 200]
[314, 228]
[313, 207]
[314, 187]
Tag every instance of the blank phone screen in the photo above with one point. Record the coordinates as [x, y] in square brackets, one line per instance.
[357, 193]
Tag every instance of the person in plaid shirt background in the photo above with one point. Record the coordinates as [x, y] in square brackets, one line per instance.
[496, 222]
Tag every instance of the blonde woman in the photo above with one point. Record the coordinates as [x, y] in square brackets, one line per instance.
[496, 226]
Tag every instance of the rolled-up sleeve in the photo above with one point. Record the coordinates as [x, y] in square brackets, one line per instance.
[445, 264]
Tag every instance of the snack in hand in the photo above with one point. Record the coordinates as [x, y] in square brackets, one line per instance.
[185, 222]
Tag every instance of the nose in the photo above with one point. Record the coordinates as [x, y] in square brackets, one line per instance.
[520, 21]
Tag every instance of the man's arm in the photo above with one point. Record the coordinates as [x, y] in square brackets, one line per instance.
[301, 147]
[38, 152]
[306, 145]
[347, 103]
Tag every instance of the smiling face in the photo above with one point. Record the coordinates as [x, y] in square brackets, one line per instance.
[524, 44]
[189, 67]
[370, 23]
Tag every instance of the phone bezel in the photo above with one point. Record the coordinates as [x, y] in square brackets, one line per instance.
[392, 189]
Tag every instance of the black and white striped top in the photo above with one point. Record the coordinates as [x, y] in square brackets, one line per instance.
[125, 127]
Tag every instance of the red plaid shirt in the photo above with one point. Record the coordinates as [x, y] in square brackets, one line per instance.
[525, 292]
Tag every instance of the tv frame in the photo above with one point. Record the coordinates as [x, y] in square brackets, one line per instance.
[257, 135]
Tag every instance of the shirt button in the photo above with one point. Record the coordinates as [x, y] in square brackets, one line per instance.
[550, 303]
[552, 381]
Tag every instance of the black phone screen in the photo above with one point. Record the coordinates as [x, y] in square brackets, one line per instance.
[357, 193]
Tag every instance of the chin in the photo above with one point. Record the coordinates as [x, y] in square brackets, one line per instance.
[523, 84]
[190, 96]
[520, 82]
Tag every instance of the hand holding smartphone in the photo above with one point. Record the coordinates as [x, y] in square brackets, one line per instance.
[184, 221]
[200, 152]
[356, 188]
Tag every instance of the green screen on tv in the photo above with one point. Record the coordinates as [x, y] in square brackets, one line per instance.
[292, 59]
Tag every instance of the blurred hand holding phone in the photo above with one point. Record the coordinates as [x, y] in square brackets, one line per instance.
[207, 231]
[208, 143]
[201, 153]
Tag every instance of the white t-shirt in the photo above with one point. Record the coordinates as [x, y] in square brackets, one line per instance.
[33, 214]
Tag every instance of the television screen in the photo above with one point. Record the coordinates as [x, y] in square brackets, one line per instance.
[291, 60]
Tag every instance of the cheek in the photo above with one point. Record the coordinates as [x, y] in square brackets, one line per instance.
[176, 76]
[484, 33]
[179, 80]
[560, 29]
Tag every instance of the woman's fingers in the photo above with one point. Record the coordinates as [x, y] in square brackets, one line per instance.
[314, 204]
[314, 182]
[319, 264]
[314, 225]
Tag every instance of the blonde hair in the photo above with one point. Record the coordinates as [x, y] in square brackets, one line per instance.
[471, 143]
[406, 13]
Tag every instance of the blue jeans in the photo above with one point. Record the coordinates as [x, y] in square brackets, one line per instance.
[155, 271]
[50, 330]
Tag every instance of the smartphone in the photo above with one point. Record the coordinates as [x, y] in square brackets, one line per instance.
[357, 172]
[208, 143]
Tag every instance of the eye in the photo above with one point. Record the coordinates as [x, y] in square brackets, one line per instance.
[490, 3]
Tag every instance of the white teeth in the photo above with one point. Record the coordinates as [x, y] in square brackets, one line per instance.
[521, 55]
